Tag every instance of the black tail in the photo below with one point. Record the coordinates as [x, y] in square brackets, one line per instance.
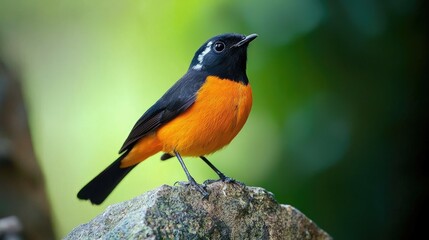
[103, 184]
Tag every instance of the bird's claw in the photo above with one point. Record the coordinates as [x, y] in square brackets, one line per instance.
[223, 179]
[198, 187]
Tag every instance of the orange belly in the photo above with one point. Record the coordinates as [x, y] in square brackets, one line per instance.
[218, 114]
[216, 117]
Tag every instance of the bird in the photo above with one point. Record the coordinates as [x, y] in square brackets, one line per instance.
[200, 114]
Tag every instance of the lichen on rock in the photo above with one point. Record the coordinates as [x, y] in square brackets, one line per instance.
[232, 211]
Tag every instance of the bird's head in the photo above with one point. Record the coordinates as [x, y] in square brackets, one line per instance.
[224, 56]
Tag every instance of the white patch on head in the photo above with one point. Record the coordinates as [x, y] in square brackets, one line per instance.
[200, 58]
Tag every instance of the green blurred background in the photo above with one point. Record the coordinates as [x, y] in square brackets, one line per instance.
[336, 126]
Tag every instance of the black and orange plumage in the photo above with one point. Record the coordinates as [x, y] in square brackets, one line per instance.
[198, 115]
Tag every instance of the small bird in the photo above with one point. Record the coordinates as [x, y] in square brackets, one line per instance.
[200, 114]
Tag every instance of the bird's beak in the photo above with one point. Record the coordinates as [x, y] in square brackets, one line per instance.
[246, 40]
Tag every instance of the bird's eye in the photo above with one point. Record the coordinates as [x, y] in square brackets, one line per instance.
[219, 46]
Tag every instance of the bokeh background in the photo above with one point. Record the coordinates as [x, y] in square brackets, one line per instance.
[337, 126]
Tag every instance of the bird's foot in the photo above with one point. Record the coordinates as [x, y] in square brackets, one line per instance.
[181, 183]
[224, 179]
[198, 187]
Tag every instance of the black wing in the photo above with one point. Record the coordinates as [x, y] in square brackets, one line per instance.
[174, 102]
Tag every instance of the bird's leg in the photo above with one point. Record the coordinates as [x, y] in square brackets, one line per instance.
[190, 178]
[219, 173]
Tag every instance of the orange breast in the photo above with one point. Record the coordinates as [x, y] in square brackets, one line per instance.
[216, 117]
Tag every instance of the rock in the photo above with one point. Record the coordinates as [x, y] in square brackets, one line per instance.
[232, 211]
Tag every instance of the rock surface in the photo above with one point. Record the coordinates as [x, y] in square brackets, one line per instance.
[232, 211]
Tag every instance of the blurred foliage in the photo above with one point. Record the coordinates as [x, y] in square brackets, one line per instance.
[336, 127]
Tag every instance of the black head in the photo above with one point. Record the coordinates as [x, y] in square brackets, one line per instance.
[224, 56]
